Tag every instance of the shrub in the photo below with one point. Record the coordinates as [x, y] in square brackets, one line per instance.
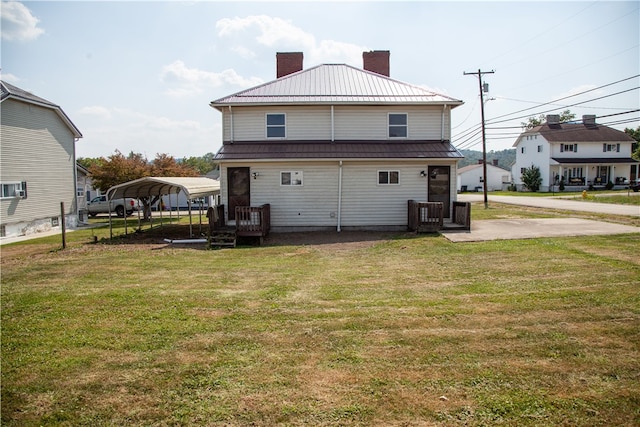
[531, 178]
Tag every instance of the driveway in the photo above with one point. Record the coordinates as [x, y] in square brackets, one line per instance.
[505, 229]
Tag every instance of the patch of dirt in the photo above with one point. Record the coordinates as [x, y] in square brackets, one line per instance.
[331, 240]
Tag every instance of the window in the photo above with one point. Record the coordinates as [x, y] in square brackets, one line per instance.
[539, 148]
[398, 125]
[569, 147]
[291, 178]
[276, 126]
[522, 150]
[388, 177]
[14, 190]
[611, 147]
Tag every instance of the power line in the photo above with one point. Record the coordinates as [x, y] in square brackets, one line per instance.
[567, 97]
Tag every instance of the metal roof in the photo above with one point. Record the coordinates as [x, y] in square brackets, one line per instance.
[573, 132]
[158, 186]
[335, 84]
[9, 91]
[317, 150]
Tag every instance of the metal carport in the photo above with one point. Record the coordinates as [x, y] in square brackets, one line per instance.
[192, 187]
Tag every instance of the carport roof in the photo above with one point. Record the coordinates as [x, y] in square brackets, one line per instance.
[156, 186]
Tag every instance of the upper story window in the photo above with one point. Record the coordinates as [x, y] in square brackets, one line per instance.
[14, 190]
[398, 125]
[291, 178]
[611, 147]
[388, 177]
[276, 125]
[539, 148]
[569, 147]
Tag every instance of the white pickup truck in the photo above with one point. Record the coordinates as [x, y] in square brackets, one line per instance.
[99, 205]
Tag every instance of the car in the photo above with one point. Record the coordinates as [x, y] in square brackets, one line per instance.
[635, 185]
[100, 204]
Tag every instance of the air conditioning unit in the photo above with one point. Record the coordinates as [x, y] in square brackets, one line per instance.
[20, 193]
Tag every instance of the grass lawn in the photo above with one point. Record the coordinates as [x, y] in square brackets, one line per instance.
[403, 331]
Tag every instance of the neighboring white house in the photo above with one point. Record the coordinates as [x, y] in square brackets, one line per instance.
[37, 164]
[471, 178]
[580, 154]
[336, 147]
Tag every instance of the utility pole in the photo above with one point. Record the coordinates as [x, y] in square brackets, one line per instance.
[484, 138]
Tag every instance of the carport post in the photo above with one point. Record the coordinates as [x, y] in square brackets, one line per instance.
[200, 228]
[190, 219]
[160, 209]
[124, 213]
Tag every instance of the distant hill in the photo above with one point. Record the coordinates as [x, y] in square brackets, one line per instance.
[505, 158]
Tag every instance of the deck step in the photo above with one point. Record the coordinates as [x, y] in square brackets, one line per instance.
[223, 239]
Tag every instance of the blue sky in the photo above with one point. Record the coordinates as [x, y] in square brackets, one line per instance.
[139, 76]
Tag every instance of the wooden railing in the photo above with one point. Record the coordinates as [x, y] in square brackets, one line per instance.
[462, 214]
[253, 221]
[425, 216]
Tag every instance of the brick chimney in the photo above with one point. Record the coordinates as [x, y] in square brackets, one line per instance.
[288, 63]
[589, 120]
[553, 119]
[495, 162]
[376, 61]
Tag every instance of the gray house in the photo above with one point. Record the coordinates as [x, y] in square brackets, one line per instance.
[37, 164]
[336, 147]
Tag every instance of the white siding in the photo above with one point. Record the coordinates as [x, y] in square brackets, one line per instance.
[350, 122]
[302, 123]
[37, 147]
[365, 203]
[531, 156]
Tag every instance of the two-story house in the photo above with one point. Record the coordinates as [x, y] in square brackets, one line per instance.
[336, 147]
[579, 154]
[37, 164]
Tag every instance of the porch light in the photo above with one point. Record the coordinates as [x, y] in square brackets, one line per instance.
[255, 175]
[423, 174]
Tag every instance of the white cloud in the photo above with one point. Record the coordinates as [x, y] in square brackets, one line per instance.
[142, 132]
[96, 111]
[18, 23]
[8, 77]
[279, 34]
[190, 81]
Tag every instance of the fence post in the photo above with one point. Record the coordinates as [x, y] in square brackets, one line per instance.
[63, 227]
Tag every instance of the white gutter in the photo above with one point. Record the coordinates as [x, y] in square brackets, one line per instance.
[339, 196]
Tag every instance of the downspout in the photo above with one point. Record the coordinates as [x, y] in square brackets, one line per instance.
[339, 196]
[230, 124]
[444, 108]
[75, 185]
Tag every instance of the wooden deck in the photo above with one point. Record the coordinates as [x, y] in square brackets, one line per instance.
[250, 222]
[428, 217]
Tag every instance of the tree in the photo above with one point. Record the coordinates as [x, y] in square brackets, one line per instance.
[531, 178]
[565, 116]
[635, 147]
[202, 164]
[117, 169]
[87, 162]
